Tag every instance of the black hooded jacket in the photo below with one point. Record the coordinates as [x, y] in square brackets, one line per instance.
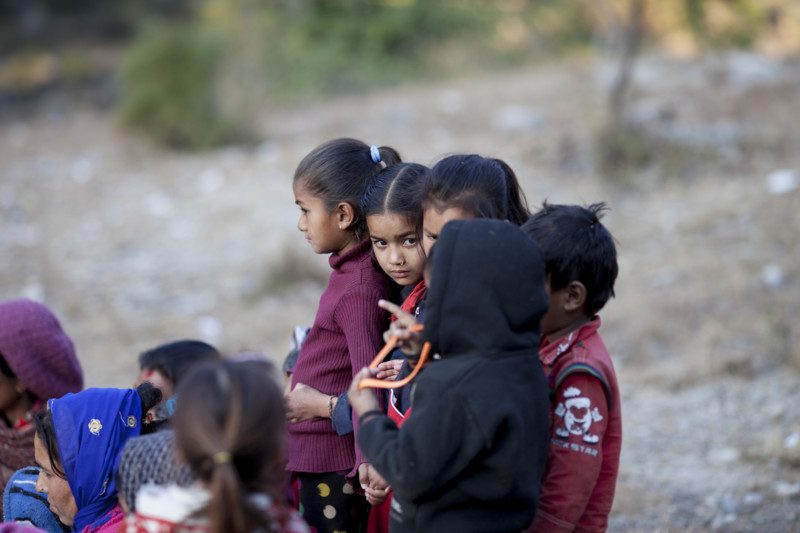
[471, 454]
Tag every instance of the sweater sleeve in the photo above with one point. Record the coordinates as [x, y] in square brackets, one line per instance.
[576, 454]
[342, 416]
[362, 322]
[434, 445]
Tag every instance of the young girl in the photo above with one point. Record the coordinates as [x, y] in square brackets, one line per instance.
[328, 185]
[229, 427]
[394, 214]
[459, 187]
[392, 207]
[470, 456]
[470, 186]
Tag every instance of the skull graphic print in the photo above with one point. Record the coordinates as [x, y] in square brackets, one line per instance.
[575, 416]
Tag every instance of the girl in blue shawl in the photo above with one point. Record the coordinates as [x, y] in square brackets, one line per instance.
[78, 441]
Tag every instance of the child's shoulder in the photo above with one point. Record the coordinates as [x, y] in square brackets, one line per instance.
[580, 351]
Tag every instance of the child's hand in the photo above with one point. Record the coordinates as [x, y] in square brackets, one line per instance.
[362, 400]
[389, 369]
[304, 403]
[374, 486]
[407, 340]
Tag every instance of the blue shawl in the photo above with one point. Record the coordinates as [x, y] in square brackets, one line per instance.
[91, 427]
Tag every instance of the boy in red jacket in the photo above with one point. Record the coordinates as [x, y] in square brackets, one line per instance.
[586, 420]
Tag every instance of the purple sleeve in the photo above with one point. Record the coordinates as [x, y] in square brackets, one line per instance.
[362, 323]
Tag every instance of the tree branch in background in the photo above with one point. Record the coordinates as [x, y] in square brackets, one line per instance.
[633, 38]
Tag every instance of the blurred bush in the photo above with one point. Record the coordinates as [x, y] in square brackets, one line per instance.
[199, 83]
[333, 46]
[168, 78]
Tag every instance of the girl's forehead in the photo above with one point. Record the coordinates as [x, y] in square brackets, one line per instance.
[299, 187]
[302, 194]
[389, 223]
[436, 219]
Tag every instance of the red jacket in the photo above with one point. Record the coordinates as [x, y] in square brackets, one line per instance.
[586, 433]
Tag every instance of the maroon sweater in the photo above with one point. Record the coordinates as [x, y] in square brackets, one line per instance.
[345, 337]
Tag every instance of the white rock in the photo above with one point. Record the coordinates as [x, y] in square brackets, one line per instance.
[723, 520]
[792, 440]
[209, 328]
[786, 489]
[724, 455]
[451, 102]
[752, 498]
[33, 290]
[772, 276]
[517, 118]
[82, 170]
[159, 205]
[782, 181]
[210, 180]
[746, 70]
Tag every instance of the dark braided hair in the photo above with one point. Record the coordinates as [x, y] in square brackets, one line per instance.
[397, 190]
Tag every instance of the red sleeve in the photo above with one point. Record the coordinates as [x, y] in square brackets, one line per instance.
[362, 322]
[575, 458]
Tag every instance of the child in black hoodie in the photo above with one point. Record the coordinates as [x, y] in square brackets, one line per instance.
[471, 456]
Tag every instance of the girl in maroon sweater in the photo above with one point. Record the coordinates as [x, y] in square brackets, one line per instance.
[328, 185]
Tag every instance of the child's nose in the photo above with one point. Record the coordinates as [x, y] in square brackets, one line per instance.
[396, 258]
[40, 485]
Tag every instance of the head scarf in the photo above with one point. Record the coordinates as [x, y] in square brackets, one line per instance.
[150, 459]
[91, 428]
[37, 350]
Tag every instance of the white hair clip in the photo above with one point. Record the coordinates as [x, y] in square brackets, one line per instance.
[375, 153]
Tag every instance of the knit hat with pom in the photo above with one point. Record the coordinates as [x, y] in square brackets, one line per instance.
[37, 350]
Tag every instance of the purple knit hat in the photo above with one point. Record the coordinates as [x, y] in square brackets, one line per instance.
[37, 350]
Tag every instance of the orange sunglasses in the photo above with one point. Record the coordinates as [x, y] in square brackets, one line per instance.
[385, 384]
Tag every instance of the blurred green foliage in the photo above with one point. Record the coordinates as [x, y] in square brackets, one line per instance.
[744, 20]
[168, 77]
[196, 84]
[334, 46]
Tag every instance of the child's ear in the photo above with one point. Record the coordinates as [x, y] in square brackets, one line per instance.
[575, 296]
[345, 215]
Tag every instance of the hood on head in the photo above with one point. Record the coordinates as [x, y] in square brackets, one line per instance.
[487, 292]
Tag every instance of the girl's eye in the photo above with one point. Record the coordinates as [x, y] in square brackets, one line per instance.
[378, 243]
[410, 241]
[431, 236]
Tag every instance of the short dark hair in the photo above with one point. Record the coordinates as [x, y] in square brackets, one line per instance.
[174, 359]
[576, 247]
